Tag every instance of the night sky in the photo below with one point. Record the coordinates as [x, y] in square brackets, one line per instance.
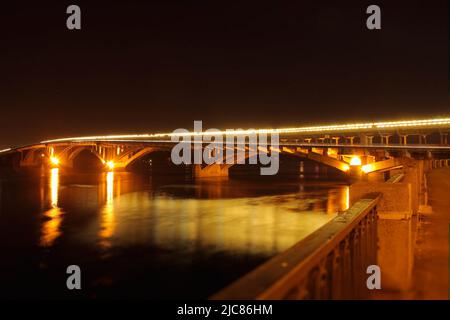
[148, 66]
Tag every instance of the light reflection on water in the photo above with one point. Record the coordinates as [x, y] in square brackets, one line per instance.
[262, 225]
[51, 226]
[159, 229]
[265, 225]
[108, 222]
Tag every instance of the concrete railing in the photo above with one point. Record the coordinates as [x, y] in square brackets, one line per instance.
[330, 263]
[395, 202]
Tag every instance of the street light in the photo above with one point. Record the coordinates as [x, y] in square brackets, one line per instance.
[54, 160]
[110, 165]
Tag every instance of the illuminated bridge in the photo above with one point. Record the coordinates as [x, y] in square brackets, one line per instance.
[359, 149]
[387, 161]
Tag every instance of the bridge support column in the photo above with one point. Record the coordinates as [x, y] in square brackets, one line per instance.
[423, 139]
[31, 158]
[350, 139]
[213, 170]
[365, 139]
[336, 140]
[385, 139]
[404, 139]
[355, 173]
[444, 138]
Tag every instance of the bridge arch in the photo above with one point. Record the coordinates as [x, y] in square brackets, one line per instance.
[125, 160]
[85, 158]
[286, 155]
[77, 150]
[293, 152]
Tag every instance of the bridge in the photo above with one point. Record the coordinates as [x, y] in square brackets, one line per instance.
[389, 160]
[359, 149]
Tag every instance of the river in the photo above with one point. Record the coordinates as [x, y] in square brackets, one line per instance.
[134, 236]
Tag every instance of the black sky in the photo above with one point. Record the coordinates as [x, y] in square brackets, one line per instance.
[146, 66]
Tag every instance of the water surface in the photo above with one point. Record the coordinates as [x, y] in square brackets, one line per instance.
[137, 236]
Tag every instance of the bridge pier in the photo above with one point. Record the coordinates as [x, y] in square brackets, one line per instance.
[385, 138]
[366, 139]
[404, 139]
[350, 139]
[336, 140]
[213, 170]
[423, 138]
[444, 138]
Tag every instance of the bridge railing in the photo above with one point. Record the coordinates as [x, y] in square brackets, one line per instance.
[330, 263]
[440, 163]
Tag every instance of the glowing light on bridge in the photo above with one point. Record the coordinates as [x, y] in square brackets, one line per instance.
[311, 129]
[110, 165]
[54, 161]
[355, 161]
[5, 150]
[367, 168]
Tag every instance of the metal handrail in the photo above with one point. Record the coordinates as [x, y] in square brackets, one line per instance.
[330, 263]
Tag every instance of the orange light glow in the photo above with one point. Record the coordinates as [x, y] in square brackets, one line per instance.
[110, 165]
[367, 168]
[108, 222]
[54, 185]
[355, 161]
[50, 229]
[311, 129]
[54, 160]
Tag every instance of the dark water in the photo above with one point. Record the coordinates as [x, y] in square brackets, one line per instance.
[135, 236]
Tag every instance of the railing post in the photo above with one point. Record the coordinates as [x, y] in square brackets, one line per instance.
[347, 268]
[337, 274]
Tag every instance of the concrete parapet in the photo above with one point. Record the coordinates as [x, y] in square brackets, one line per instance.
[395, 202]
[413, 170]
[395, 232]
[396, 240]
